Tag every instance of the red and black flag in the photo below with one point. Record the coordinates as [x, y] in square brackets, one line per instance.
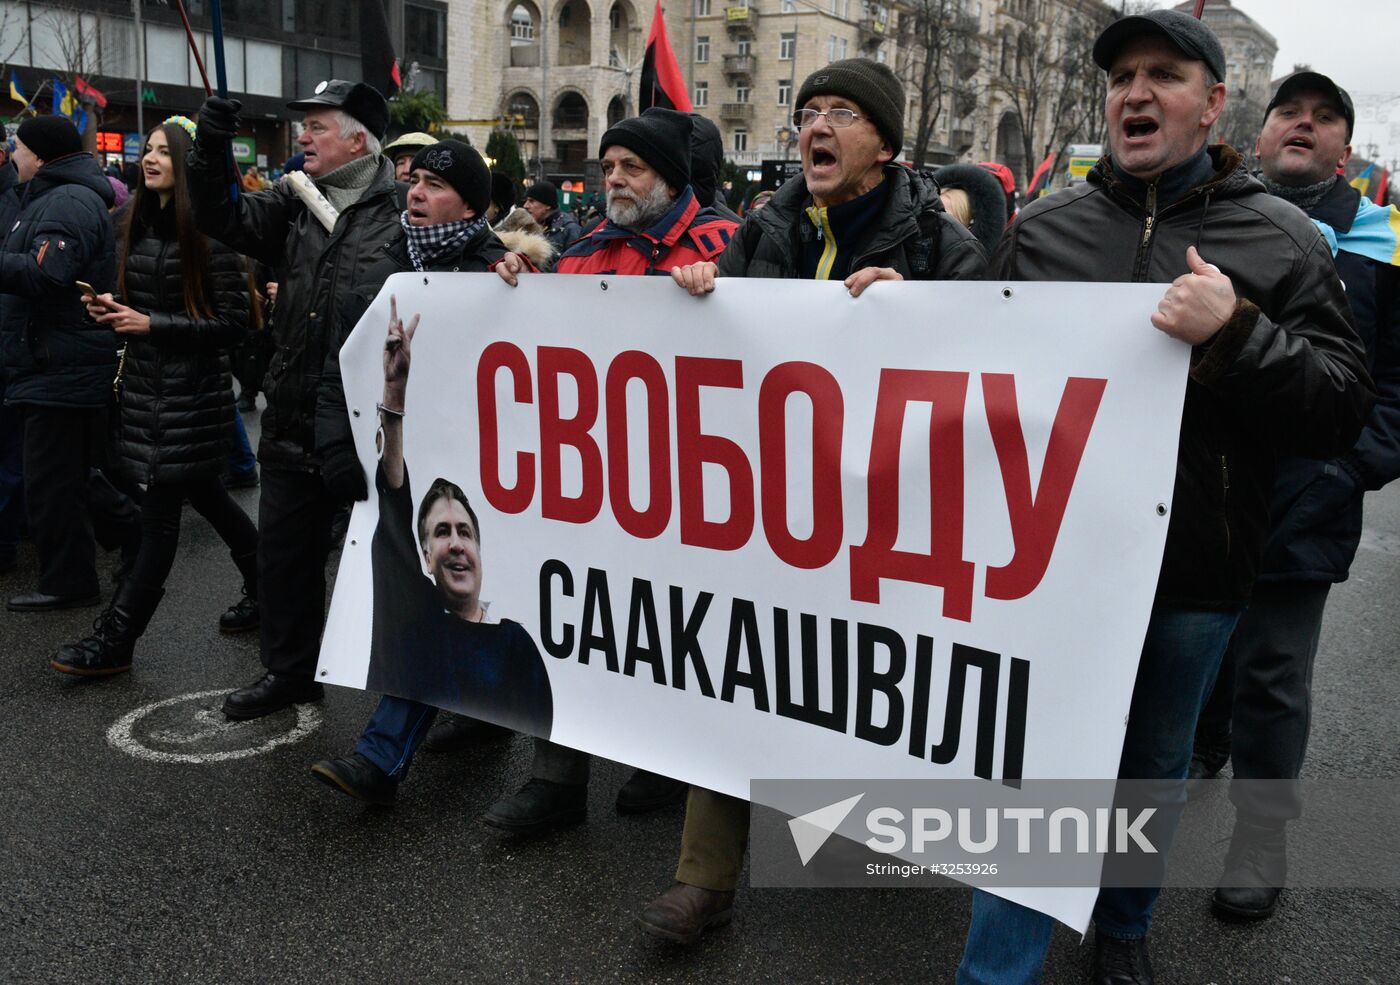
[662, 82]
[378, 65]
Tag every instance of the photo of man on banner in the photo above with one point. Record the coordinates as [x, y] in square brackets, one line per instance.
[433, 640]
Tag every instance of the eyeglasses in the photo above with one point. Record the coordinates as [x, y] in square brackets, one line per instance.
[837, 118]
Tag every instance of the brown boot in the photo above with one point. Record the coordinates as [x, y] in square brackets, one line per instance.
[683, 913]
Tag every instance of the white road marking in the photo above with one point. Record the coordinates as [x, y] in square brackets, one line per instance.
[210, 723]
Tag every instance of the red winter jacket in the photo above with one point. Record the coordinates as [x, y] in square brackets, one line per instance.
[687, 234]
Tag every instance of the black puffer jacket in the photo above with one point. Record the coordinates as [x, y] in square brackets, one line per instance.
[1316, 505]
[316, 271]
[53, 354]
[914, 235]
[1285, 374]
[177, 394]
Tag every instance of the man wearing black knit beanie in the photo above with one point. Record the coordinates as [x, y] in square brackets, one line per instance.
[58, 362]
[655, 222]
[852, 216]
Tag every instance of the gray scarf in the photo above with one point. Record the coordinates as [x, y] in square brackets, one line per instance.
[344, 186]
[1303, 196]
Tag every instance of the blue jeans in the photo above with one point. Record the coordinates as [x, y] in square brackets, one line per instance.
[241, 460]
[1007, 942]
[393, 734]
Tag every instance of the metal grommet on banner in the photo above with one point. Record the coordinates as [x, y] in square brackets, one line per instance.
[325, 673]
[1006, 293]
[425, 281]
[1161, 509]
[353, 543]
[355, 412]
[603, 285]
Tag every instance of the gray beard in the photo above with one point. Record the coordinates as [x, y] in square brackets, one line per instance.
[641, 214]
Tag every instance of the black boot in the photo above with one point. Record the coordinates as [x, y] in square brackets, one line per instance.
[244, 616]
[646, 791]
[115, 632]
[1255, 869]
[539, 806]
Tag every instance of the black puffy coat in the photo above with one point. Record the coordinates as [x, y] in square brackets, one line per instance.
[914, 230]
[1285, 375]
[1316, 504]
[53, 354]
[316, 272]
[177, 394]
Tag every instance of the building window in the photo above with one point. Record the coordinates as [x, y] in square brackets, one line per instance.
[702, 94]
[702, 48]
[785, 92]
[831, 49]
[841, 47]
[787, 46]
[702, 8]
[425, 33]
[789, 6]
[522, 27]
[745, 46]
[882, 55]
[741, 94]
[741, 140]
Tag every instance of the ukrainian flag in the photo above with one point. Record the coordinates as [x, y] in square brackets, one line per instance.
[1362, 182]
[1375, 233]
[63, 102]
[15, 93]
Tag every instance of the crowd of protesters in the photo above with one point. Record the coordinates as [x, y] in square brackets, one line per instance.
[1291, 414]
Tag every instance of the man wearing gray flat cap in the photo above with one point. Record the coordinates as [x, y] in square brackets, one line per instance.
[1276, 368]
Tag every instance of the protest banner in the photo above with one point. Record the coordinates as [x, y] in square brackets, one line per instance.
[778, 531]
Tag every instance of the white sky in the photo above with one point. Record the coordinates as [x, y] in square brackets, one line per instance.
[1354, 42]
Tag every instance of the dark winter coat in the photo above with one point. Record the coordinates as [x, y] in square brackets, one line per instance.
[53, 354]
[316, 272]
[177, 392]
[1286, 374]
[561, 229]
[913, 235]
[1316, 505]
[479, 254]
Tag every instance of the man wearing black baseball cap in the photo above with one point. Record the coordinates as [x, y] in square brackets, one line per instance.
[1259, 711]
[1275, 367]
[320, 261]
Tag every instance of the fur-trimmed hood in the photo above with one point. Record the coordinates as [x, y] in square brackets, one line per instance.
[534, 246]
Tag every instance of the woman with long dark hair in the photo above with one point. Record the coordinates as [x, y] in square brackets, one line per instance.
[184, 304]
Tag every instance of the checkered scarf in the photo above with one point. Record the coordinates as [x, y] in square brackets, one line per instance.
[427, 243]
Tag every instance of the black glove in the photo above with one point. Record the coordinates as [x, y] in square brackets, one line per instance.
[343, 477]
[218, 120]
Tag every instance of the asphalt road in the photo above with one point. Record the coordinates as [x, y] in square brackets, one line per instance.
[118, 869]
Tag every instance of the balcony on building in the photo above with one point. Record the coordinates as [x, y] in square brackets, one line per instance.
[874, 28]
[741, 16]
[740, 65]
[736, 112]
